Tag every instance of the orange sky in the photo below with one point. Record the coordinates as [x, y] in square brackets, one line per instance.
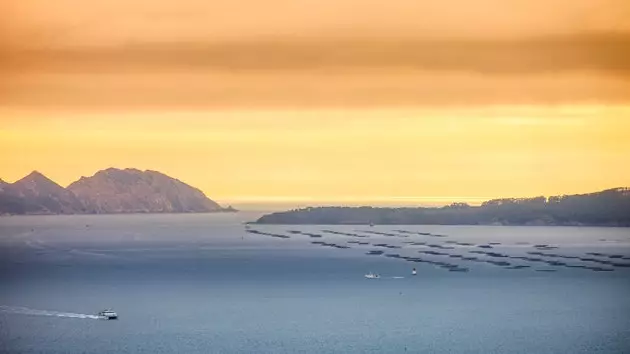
[298, 102]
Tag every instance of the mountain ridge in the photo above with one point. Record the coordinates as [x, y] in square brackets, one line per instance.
[108, 191]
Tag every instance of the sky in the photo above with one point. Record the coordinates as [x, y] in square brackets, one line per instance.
[322, 102]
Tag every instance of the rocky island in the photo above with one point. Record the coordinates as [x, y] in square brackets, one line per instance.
[606, 208]
[110, 191]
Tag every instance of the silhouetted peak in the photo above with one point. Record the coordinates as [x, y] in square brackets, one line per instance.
[113, 171]
[36, 175]
[36, 178]
[107, 171]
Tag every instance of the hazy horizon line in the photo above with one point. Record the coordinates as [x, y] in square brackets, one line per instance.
[261, 203]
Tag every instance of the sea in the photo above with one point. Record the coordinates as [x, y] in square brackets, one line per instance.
[210, 283]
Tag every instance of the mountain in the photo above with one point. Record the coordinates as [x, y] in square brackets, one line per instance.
[37, 194]
[108, 191]
[606, 208]
[134, 191]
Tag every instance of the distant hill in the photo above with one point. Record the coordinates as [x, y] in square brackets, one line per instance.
[108, 191]
[130, 190]
[37, 194]
[606, 208]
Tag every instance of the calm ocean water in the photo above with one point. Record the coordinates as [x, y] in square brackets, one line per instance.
[201, 284]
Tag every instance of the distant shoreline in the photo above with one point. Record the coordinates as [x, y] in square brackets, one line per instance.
[609, 208]
[234, 211]
[492, 225]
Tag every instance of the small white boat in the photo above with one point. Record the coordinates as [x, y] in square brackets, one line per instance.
[413, 272]
[372, 276]
[108, 315]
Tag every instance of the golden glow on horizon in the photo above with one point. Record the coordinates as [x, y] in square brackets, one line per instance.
[403, 155]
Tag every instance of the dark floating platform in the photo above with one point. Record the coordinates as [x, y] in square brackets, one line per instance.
[518, 267]
[610, 256]
[267, 234]
[296, 232]
[412, 233]
[382, 233]
[545, 247]
[499, 263]
[496, 255]
[385, 245]
[375, 253]
[344, 233]
[326, 244]
[434, 253]
[312, 235]
[470, 258]
[556, 264]
[441, 247]
[484, 246]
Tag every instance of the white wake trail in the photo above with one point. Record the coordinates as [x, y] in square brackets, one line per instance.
[29, 311]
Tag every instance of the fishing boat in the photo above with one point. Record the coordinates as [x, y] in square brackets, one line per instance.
[108, 315]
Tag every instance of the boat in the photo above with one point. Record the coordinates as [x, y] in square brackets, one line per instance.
[108, 315]
[413, 272]
[372, 276]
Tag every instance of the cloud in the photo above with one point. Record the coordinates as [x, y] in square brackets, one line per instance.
[202, 89]
[603, 52]
[340, 54]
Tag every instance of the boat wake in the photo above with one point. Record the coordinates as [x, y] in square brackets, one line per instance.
[34, 312]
